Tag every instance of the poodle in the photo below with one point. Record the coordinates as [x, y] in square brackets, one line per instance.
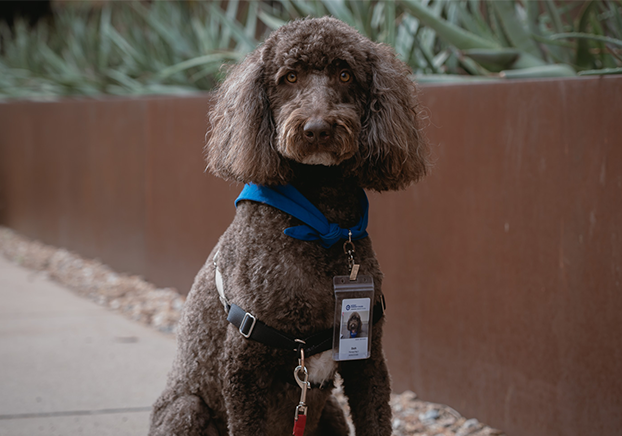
[322, 112]
[354, 325]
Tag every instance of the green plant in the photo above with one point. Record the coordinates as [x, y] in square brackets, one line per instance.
[527, 38]
[450, 40]
[179, 47]
[125, 48]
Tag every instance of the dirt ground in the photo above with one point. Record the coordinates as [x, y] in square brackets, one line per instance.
[160, 308]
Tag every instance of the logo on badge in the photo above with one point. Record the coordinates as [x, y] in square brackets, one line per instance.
[348, 307]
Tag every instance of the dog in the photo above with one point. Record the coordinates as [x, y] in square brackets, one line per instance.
[354, 324]
[321, 108]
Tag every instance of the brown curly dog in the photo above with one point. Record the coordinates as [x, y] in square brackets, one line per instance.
[354, 325]
[319, 107]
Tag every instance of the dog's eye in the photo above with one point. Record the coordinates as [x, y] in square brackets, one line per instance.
[291, 77]
[345, 76]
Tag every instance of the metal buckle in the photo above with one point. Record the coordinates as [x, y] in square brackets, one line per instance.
[243, 324]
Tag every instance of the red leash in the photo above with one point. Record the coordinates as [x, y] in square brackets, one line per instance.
[299, 425]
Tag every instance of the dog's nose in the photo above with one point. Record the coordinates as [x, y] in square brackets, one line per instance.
[317, 130]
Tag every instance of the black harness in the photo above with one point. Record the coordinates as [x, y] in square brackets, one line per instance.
[252, 328]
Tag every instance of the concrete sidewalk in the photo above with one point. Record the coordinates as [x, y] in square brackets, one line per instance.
[69, 367]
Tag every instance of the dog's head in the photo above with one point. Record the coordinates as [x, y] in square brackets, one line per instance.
[354, 324]
[318, 93]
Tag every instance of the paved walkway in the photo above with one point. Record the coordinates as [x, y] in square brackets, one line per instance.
[69, 367]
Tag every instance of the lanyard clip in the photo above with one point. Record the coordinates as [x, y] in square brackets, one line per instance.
[348, 249]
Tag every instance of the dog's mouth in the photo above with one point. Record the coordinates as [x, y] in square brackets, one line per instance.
[324, 141]
[321, 158]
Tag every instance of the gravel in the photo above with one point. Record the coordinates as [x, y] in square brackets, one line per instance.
[123, 293]
[160, 308]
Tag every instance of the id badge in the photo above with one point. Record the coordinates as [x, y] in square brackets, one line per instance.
[353, 317]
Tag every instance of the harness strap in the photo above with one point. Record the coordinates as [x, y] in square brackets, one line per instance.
[251, 328]
[219, 284]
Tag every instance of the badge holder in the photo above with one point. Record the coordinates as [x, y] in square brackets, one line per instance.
[354, 296]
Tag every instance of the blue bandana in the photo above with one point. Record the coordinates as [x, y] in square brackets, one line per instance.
[289, 200]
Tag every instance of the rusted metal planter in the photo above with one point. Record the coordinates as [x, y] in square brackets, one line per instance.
[503, 268]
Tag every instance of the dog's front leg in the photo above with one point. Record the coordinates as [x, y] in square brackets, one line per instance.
[248, 372]
[368, 388]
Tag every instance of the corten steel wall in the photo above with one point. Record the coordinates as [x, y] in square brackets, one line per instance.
[121, 180]
[503, 267]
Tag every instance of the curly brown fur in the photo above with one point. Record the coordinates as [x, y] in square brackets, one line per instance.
[257, 121]
[328, 134]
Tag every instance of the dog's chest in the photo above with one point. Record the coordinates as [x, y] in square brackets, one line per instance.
[321, 367]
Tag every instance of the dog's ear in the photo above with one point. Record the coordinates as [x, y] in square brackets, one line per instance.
[393, 150]
[240, 144]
